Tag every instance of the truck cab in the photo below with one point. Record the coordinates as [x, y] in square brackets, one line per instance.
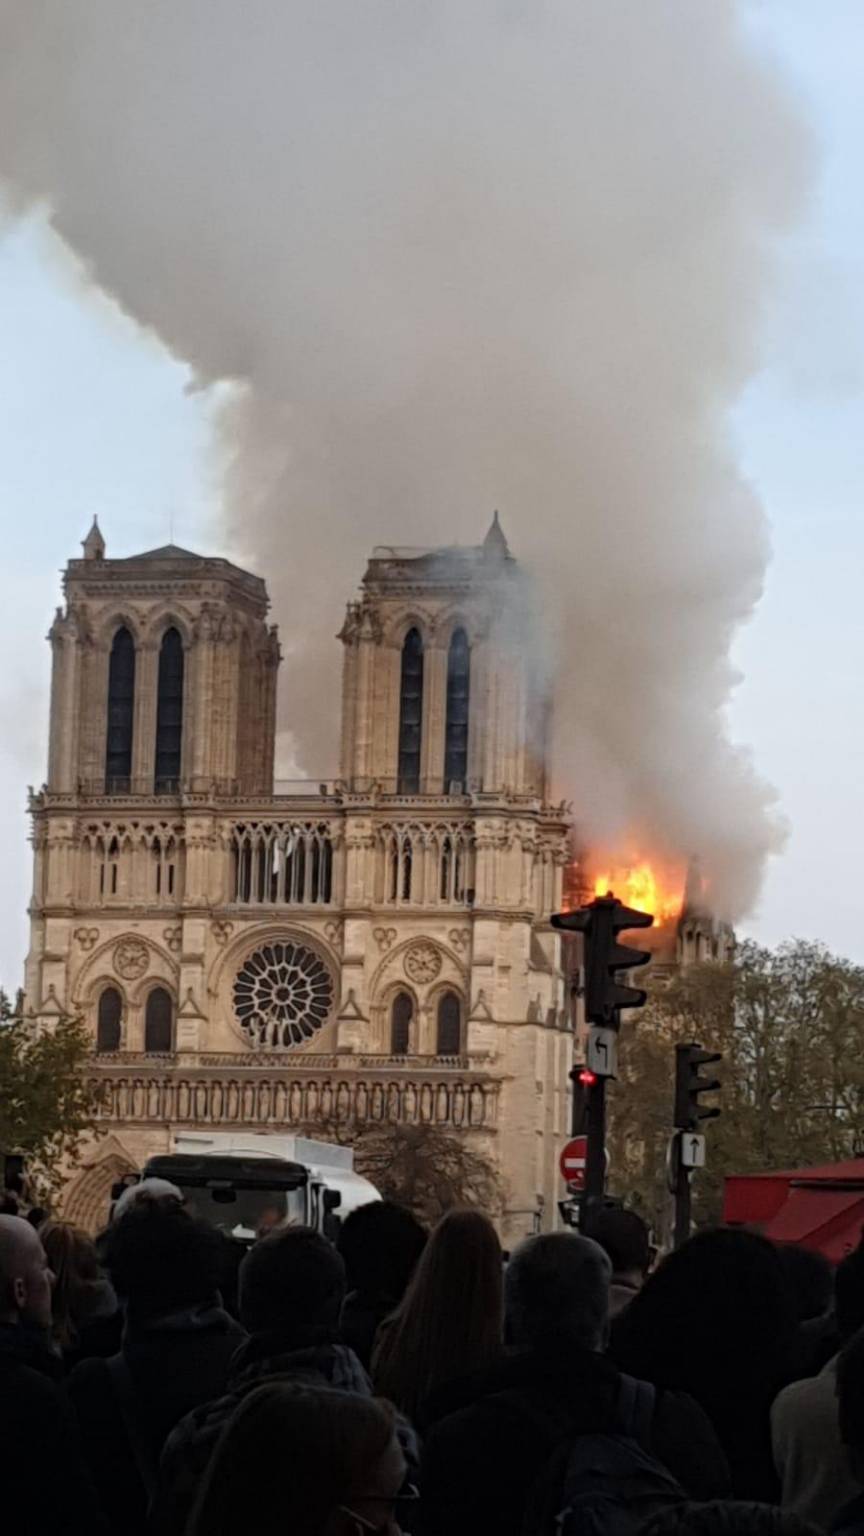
[247, 1185]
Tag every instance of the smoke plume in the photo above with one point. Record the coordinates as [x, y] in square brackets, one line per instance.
[449, 257]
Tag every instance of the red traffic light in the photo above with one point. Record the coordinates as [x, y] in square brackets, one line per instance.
[587, 1078]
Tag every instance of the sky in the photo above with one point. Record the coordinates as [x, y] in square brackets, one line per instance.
[97, 418]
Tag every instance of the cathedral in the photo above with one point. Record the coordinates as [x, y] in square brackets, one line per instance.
[373, 949]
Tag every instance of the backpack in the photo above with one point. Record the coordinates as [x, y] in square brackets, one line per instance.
[604, 1484]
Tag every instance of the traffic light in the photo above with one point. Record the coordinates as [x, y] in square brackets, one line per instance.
[601, 922]
[689, 1085]
[583, 1080]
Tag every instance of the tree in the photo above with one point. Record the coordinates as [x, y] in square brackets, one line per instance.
[47, 1107]
[427, 1170]
[424, 1168]
[788, 1023]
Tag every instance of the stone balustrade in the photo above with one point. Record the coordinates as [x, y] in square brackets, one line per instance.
[240, 1092]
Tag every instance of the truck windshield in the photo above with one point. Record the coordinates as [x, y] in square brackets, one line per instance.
[246, 1213]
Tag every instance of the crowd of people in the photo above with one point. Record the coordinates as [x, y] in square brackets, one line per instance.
[431, 1384]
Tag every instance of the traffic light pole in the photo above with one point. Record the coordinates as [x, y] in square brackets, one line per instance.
[605, 994]
[681, 1230]
[687, 1147]
[595, 1161]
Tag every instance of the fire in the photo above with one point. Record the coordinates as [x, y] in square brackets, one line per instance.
[640, 885]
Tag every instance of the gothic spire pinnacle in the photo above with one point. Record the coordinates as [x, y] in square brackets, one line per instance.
[94, 544]
[495, 545]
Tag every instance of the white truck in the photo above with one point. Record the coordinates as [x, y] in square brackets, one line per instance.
[246, 1184]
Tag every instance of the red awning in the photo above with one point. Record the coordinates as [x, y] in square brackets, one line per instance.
[819, 1218]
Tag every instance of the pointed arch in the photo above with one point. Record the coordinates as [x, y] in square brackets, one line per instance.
[121, 711]
[159, 1022]
[401, 1016]
[411, 713]
[108, 1017]
[458, 700]
[169, 712]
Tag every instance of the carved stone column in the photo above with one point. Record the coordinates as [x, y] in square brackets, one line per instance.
[434, 714]
[65, 705]
[198, 707]
[146, 701]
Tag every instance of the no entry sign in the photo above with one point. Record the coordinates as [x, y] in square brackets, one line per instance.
[572, 1161]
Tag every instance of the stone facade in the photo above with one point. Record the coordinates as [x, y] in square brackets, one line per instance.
[374, 948]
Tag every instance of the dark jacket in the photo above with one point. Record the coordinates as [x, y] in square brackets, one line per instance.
[362, 1316]
[173, 1364]
[309, 1357]
[849, 1520]
[481, 1462]
[734, 1382]
[41, 1451]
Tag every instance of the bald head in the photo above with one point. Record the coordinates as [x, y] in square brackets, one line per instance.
[25, 1279]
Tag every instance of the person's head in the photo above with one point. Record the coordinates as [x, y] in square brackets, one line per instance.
[161, 1260]
[728, 1517]
[73, 1262]
[810, 1278]
[850, 1402]
[849, 1293]
[450, 1321]
[557, 1288]
[304, 1460]
[25, 1275]
[717, 1311]
[270, 1220]
[291, 1281]
[381, 1244]
[625, 1239]
[146, 1192]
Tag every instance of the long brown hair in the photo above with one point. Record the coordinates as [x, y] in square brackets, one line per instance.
[75, 1266]
[288, 1457]
[450, 1323]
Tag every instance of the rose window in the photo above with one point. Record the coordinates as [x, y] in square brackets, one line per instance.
[282, 994]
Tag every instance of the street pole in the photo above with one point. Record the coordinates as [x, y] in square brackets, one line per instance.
[682, 1195]
[595, 1161]
[605, 994]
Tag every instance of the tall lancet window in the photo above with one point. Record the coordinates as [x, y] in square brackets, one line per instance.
[410, 713]
[401, 1015]
[158, 1022]
[458, 690]
[449, 1041]
[169, 713]
[121, 710]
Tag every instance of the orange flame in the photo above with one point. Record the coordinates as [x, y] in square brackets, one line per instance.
[639, 885]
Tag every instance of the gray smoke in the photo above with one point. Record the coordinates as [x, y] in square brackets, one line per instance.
[451, 256]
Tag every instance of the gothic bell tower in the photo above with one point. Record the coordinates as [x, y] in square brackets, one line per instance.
[438, 693]
[164, 673]
[163, 699]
